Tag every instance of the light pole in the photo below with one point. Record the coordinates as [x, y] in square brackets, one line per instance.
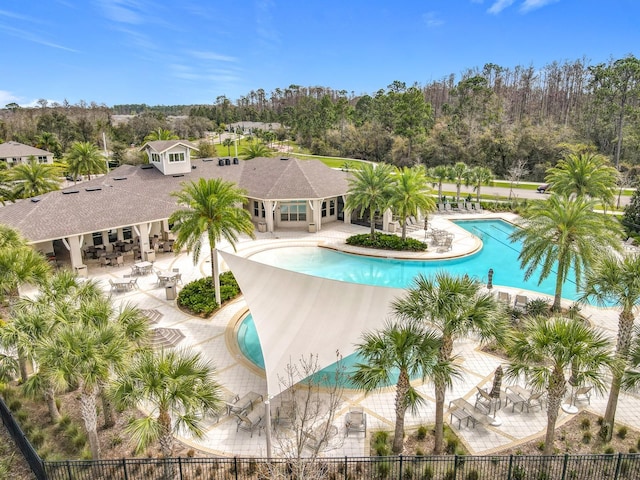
[267, 426]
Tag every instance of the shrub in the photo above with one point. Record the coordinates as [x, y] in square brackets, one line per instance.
[37, 438]
[15, 405]
[585, 424]
[540, 446]
[79, 440]
[419, 452]
[472, 475]
[622, 432]
[199, 296]
[609, 450]
[115, 441]
[638, 444]
[22, 416]
[538, 306]
[64, 421]
[451, 445]
[586, 437]
[422, 432]
[387, 242]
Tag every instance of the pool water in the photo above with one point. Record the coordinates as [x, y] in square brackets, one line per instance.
[497, 253]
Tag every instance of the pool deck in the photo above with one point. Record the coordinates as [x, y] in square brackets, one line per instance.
[214, 338]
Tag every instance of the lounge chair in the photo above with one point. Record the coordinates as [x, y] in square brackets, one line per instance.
[504, 297]
[521, 302]
[582, 394]
[319, 436]
[460, 414]
[285, 413]
[249, 422]
[246, 403]
[356, 421]
[524, 398]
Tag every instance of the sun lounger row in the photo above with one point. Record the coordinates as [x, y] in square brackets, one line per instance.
[519, 303]
[472, 207]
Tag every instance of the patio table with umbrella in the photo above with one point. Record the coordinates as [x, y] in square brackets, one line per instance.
[495, 395]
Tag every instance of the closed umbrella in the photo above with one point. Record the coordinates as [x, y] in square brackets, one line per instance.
[497, 383]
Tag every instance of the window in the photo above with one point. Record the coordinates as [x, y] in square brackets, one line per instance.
[324, 209]
[113, 236]
[257, 210]
[126, 233]
[332, 207]
[176, 157]
[294, 211]
[42, 159]
[155, 157]
[97, 238]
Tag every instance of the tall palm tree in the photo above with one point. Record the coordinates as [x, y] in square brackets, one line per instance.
[20, 266]
[584, 174]
[255, 150]
[406, 348]
[477, 177]
[411, 194]
[458, 173]
[6, 185]
[85, 158]
[228, 143]
[615, 280]
[161, 134]
[546, 351]
[454, 307]
[49, 141]
[32, 179]
[10, 238]
[370, 187]
[439, 173]
[179, 388]
[561, 234]
[214, 207]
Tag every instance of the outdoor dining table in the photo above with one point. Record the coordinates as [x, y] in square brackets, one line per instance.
[165, 276]
[142, 268]
[122, 284]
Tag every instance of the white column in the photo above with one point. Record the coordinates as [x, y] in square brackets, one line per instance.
[105, 240]
[269, 208]
[73, 243]
[387, 217]
[120, 234]
[345, 213]
[317, 213]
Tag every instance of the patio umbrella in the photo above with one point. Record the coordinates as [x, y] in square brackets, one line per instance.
[497, 383]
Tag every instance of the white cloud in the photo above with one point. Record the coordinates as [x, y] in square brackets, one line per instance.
[432, 20]
[32, 37]
[529, 5]
[123, 11]
[212, 56]
[499, 5]
[7, 97]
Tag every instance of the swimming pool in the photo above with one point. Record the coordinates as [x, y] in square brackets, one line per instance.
[498, 253]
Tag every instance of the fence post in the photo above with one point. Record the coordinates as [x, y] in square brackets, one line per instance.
[69, 469]
[400, 473]
[455, 466]
[235, 466]
[564, 466]
[180, 467]
[346, 467]
[615, 476]
[124, 468]
[510, 467]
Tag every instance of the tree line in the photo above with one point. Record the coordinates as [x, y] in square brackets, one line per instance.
[492, 116]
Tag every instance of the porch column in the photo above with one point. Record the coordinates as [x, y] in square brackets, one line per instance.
[387, 217]
[317, 214]
[74, 246]
[105, 240]
[269, 208]
[346, 214]
[120, 234]
[143, 231]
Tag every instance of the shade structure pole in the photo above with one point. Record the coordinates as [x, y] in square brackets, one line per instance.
[267, 426]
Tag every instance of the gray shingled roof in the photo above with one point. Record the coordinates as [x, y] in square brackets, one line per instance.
[15, 149]
[131, 195]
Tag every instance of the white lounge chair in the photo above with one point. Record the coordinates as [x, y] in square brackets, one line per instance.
[356, 421]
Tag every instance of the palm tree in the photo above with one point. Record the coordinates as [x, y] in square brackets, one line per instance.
[406, 348]
[161, 134]
[561, 234]
[255, 150]
[179, 388]
[370, 187]
[584, 174]
[32, 179]
[6, 185]
[20, 266]
[440, 174]
[454, 307]
[546, 349]
[411, 194]
[49, 141]
[615, 280]
[10, 238]
[227, 143]
[85, 158]
[214, 207]
[477, 177]
[458, 173]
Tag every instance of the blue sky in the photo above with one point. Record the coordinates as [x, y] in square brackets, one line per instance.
[187, 51]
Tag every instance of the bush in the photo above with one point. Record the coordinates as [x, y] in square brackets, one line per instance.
[609, 450]
[586, 437]
[199, 296]
[622, 432]
[422, 432]
[538, 306]
[387, 242]
[585, 424]
[15, 405]
[451, 445]
[37, 438]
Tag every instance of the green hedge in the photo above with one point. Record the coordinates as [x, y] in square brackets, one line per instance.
[383, 241]
[198, 297]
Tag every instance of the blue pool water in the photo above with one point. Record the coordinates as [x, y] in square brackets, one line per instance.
[498, 253]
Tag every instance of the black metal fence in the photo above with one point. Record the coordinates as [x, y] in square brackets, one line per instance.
[459, 467]
[29, 453]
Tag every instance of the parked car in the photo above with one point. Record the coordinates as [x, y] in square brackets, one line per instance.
[71, 179]
[543, 188]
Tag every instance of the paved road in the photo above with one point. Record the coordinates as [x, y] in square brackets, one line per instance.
[504, 192]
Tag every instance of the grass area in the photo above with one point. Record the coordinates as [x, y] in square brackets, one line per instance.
[333, 162]
[519, 186]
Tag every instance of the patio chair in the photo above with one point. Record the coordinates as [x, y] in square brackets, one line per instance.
[356, 421]
[521, 302]
[477, 207]
[104, 261]
[246, 403]
[249, 422]
[484, 403]
[285, 413]
[230, 401]
[317, 438]
[581, 394]
[459, 413]
[120, 261]
[114, 287]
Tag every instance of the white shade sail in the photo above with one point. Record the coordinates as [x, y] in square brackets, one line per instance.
[297, 315]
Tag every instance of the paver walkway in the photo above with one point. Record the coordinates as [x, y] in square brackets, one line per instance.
[214, 337]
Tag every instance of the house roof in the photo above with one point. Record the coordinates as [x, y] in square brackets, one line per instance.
[130, 195]
[15, 149]
[160, 146]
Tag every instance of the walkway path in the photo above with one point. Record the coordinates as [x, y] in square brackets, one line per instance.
[215, 338]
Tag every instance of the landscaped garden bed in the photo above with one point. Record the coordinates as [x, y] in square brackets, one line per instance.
[384, 241]
[198, 297]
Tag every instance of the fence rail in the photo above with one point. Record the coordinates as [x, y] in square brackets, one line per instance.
[458, 467]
